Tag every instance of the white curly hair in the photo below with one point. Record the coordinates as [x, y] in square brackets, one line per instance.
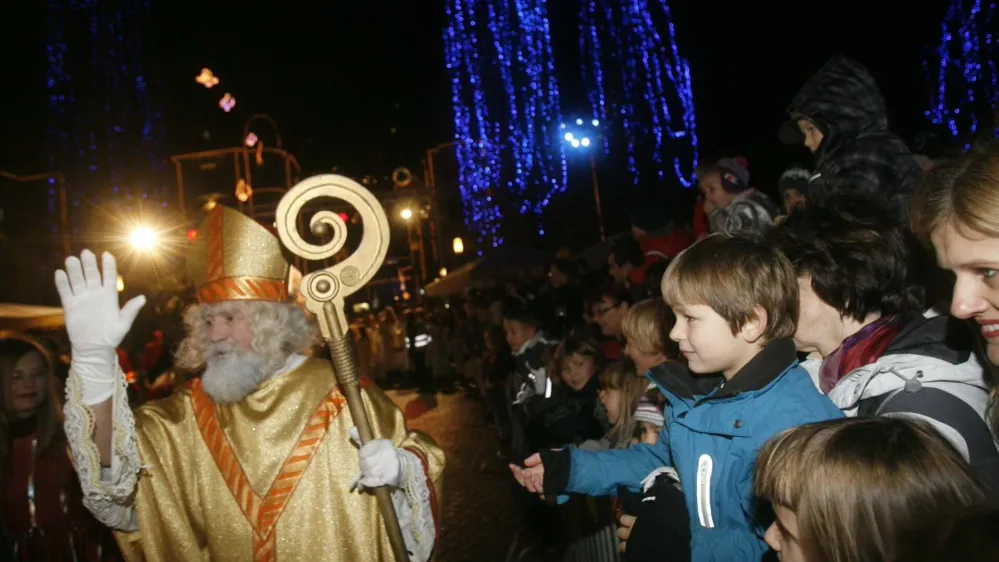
[279, 329]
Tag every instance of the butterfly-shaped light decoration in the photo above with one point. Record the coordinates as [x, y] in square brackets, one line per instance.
[227, 102]
[251, 140]
[243, 191]
[206, 78]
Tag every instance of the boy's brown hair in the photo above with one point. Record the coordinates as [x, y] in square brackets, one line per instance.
[735, 275]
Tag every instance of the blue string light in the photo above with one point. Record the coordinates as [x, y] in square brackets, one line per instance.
[964, 70]
[117, 133]
[59, 83]
[640, 85]
[506, 135]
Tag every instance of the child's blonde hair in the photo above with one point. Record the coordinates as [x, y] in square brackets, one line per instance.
[647, 325]
[621, 376]
[857, 485]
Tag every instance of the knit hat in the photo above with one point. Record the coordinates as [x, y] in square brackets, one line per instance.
[734, 173]
[795, 178]
[648, 412]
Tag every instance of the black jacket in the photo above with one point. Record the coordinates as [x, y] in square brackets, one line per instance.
[858, 156]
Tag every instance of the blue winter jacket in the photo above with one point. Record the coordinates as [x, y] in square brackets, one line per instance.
[712, 441]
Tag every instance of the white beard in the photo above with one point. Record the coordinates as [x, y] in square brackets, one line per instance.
[231, 374]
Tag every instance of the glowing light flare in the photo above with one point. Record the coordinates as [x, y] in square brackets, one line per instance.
[584, 141]
[206, 78]
[443, 272]
[120, 284]
[458, 245]
[192, 235]
[227, 102]
[251, 140]
[143, 238]
[406, 214]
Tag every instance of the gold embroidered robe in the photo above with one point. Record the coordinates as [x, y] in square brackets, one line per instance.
[266, 478]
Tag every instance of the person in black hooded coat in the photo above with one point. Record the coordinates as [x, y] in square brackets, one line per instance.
[840, 115]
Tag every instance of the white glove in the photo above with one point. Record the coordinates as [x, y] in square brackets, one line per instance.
[94, 322]
[380, 464]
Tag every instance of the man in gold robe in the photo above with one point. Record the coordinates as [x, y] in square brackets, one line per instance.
[255, 460]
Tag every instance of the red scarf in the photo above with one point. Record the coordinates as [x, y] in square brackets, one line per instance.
[863, 348]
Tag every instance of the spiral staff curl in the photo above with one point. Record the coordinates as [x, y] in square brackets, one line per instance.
[325, 290]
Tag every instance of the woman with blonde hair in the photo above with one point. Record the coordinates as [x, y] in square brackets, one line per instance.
[851, 490]
[957, 211]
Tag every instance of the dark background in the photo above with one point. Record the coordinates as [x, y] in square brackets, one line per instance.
[361, 86]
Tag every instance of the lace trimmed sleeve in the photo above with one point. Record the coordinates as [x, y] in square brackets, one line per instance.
[108, 493]
[414, 507]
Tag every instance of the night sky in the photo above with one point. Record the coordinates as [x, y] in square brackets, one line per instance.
[340, 76]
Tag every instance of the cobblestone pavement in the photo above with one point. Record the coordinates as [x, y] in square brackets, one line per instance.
[478, 515]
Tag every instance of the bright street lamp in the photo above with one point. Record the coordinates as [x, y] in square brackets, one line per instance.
[579, 140]
[143, 238]
[406, 214]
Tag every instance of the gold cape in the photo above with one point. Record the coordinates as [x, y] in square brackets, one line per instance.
[266, 478]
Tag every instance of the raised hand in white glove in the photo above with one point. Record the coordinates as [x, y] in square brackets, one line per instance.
[380, 464]
[95, 323]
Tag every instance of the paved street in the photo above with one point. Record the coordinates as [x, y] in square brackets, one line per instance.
[479, 518]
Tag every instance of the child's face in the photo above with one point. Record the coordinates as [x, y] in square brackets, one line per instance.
[782, 536]
[813, 135]
[611, 400]
[577, 371]
[793, 200]
[650, 434]
[713, 191]
[707, 342]
[518, 333]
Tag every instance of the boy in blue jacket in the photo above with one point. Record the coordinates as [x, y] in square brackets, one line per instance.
[736, 304]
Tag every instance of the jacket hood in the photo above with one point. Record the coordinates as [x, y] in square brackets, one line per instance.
[843, 100]
[934, 351]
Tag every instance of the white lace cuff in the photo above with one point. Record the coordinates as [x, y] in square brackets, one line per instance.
[109, 493]
[413, 506]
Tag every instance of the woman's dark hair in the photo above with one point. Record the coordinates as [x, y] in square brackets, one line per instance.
[653, 282]
[608, 289]
[13, 347]
[627, 251]
[858, 261]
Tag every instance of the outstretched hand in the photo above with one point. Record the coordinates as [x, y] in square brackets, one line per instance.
[532, 475]
[94, 321]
